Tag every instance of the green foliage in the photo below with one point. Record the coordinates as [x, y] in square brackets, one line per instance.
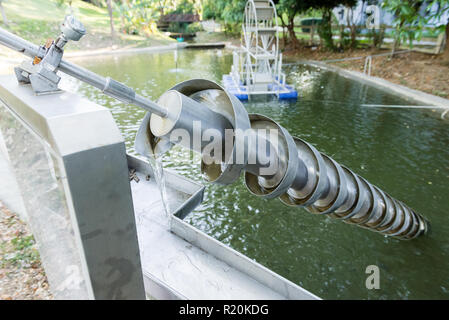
[228, 12]
[345, 39]
[184, 7]
[98, 3]
[194, 27]
[233, 11]
[22, 252]
[291, 8]
[61, 3]
[136, 15]
[185, 27]
[408, 23]
[377, 37]
[325, 29]
[178, 27]
[139, 16]
[443, 8]
[209, 11]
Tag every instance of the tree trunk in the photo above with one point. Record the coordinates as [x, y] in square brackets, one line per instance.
[312, 33]
[109, 4]
[353, 36]
[446, 47]
[161, 8]
[352, 27]
[292, 34]
[5, 20]
[284, 35]
[397, 40]
[395, 46]
[342, 37]
[378, 37]
[325, 29]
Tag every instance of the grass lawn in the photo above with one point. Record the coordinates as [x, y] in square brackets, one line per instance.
[39, 20]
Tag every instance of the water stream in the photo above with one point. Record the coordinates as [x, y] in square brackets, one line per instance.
[157, 164]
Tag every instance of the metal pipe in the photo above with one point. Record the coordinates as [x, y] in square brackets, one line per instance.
[108, 86]
[111, 87]
[18, 44]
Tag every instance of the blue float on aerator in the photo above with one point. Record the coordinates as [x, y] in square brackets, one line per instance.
[240, 90]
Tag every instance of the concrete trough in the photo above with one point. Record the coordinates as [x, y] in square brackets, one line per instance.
[100, 235]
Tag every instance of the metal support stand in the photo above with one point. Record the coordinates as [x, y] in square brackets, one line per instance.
[41, 71]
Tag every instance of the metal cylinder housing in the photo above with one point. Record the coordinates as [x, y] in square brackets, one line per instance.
[303, 176]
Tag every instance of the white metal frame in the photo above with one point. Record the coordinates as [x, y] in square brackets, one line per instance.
[258, 63]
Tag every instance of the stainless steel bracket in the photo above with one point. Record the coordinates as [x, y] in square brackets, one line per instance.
[41, 72]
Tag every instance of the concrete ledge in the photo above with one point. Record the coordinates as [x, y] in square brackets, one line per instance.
[68, 158]
[217, 45]
[414, 96]
[173, 46]
[102, 52]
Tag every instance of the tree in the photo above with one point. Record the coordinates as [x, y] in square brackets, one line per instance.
[183, 7]
[111, 19]
[61, 3]
[162, 5]
[290, 9]
[408, 22]
[442, 9]
[325, 28]
[229, 12]
[351, 23]
[137, 15]
[5, 20]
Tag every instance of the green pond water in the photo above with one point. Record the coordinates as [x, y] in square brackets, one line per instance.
[403, 151]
